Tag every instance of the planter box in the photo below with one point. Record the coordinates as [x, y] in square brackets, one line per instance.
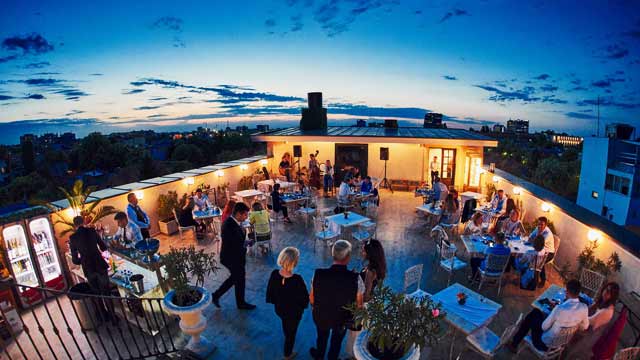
[168, 227]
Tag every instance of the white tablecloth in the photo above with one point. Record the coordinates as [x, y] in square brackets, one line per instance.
[248, 193]
[337, 222]
[427, 209]
[478, 311]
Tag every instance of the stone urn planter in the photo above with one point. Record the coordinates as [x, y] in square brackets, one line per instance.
[361, 351]
[192, 322]
[168, 227]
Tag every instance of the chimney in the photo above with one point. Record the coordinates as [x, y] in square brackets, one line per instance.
[315, 116]
[391, 124]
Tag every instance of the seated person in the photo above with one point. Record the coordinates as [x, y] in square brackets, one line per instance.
[450, 210]
[259, 218]
[497, 249]
[128, 233]
[549, 242]
[201, 200]
[277, 203]
[602, 312]
[456, 197]
[344, 192]
[498, 202]
[440, 190]
[512, 226]
[570, 313]
[532, 259]
[185, 217]
[504, 216]
[366, 185]
[474, 225]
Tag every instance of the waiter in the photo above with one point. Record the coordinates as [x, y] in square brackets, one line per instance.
[137, 216]
[435, 170]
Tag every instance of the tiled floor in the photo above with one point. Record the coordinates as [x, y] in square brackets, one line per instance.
[405, 237]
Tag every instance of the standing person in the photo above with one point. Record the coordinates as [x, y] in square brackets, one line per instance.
[233, 255]
[138, 216]
[544, 329]
[332, 290]
[288, 293]
[549, 243]
[226, 212]
[128, 233]
[86, 246]
[434, 166]
[276, 201]
[328, 178]
[314, 170]
[285, 166]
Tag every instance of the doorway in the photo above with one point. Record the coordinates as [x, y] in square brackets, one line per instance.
[444, 162]
[350, 156]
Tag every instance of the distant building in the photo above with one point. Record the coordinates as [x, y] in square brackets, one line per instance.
[242, 128]
[620, 131]
[28, 138]
[375, 124]
[610, 178]
[498, 128]
[518, 126]
[262, 127]
[361, 123]
[433, 120]
[566, 140]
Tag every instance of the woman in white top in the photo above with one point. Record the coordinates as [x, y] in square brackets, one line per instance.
[474, 226]
[601, 314]
[513, 226]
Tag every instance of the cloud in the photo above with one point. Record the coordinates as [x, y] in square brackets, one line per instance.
[147, 107]
[72, 94]
[542, 77]
[35, 97]
[453, 13]
[577, 115]
[548, 87]
[174, 25]
[96, 74]
[297, 24]
[449, 77]
[46, 73]
[614, 51]
[270, 23]
[160, 98]
[606, 82]
[8, 58]
[5, 97]
[37, 65]
[608, 101]
[502, 95]
[132, 91]
[335, 17]
[43, 82]
[74, 112]
[29, 44]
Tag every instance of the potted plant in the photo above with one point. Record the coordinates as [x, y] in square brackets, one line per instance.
[395, 326]
[588, 260]
[167, 203]
[189, 300]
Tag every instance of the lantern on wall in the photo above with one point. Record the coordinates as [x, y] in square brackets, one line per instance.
[219, 173]
[139, 194]
[594, 235]
[496, 179]
[546, 207]
[263, 162]
[517, 190]
[190, 180]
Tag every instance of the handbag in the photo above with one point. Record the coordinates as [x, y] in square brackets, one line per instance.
[529, 280]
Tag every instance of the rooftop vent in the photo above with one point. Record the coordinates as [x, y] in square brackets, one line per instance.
[315, 116]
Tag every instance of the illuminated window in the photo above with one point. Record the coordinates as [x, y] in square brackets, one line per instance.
[594, 194]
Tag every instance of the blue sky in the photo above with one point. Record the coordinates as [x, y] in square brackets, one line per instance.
[168, 65]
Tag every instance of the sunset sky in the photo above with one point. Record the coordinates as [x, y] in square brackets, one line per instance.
[174, 65]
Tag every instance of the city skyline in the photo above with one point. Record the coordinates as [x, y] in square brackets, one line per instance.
[162, 66]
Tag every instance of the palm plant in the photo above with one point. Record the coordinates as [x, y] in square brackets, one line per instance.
[77, 198]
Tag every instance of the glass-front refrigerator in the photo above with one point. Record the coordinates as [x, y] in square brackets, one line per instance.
[21, 264]
[45, 251]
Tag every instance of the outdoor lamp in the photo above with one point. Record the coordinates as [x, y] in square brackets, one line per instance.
[73, 212]
[244, 167]
[594, 235]
[139, 194]
[190, 180]
[517, 190]
[219, 173]
[263, 162]
[546, 207]
[496, 179]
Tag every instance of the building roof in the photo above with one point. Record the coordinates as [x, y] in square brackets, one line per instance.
[401, 134]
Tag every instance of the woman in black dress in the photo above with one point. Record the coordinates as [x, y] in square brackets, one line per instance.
[288, 292]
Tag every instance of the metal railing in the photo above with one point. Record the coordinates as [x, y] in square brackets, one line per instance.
[68, 325]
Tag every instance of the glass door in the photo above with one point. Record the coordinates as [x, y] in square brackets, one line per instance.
[15, 242]
[45, 249]
[448, 166]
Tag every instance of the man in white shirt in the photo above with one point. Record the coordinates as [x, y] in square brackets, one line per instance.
[201, 200]
[497, 204]
[570, 313]
[434, 166]
[138, 216]
[344, 190]
[128, 233]
[549, 242]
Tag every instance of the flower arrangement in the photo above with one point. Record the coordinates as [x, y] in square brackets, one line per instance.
[462, 298]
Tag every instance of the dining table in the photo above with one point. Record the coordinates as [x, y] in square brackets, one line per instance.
[339, 222]
[210, 217]
[476, 312]
[477, 244]
[557, 294]
[284, 185]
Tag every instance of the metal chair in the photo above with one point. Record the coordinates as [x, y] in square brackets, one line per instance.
[322, 232]
[592, 281]
[451, 229]
[448, 260]
[630, 353]
[182, 229]
[494, 269]
[365, 232]
[438, 235]
[556, 348]
[308, 210]
[486, 343]
[260, 240]
[413, 276]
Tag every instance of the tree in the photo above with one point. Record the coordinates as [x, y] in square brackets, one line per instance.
[188, 152]
[28, 157]
[148, 170]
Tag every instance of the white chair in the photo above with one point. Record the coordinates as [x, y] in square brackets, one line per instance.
[182, 229]
[494, 269]
[592, 281]
[322, 232]
[308, 210]
[448, 260]
[413, 276]
[260, 240]
[486, 343]
[451, 229]
[556, 348]
[630, 353]
[365, 232]
[438, 236]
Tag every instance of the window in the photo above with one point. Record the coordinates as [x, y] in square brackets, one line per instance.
[618, 184]
[594, 194]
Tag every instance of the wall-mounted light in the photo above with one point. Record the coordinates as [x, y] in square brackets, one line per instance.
[517, 190]
[244, 167]
[496, 179]
[139, 194]
[546, 207]
[594, 235]
[72, 212]
[190, 180]
[263, 162]
[594, 194]
[219, 173]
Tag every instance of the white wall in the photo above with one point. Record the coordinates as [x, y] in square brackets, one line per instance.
[593, 173]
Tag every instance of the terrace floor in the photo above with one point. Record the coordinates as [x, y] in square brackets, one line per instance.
[405, 237]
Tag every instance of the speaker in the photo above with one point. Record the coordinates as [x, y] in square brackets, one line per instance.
[384, 153]
[297, 151]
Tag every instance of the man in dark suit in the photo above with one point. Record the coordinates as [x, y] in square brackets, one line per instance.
[233, 255]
